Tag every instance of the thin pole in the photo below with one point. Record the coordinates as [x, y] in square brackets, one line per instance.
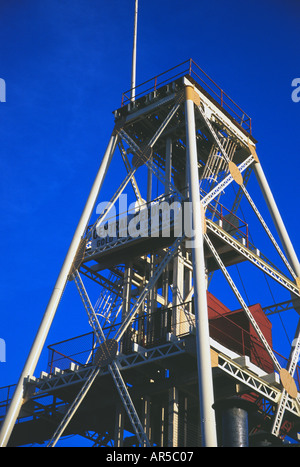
[168, 165]
[36, 349]
[206, 396]
[133, 70]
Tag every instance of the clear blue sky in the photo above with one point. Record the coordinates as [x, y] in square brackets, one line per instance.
[66, 64]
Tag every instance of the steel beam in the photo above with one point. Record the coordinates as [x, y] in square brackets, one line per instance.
[263, 223]
[55, 298]
[207, 415]
[243, 304]
[256, 260]
[277, 219]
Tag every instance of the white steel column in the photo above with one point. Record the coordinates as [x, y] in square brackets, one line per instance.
[55, 298]
[280, 227]
[294, 262]
[206, 396]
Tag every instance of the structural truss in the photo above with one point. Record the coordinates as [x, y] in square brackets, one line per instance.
[164, 265]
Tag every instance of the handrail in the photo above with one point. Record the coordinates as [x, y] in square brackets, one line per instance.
[151, 329]
[190, 68]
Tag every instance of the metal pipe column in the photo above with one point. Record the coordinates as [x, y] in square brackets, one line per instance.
[233, 414]
[206, 396]
[36, 349]
[280, 227]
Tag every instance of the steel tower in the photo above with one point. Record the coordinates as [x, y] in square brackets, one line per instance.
[167, 361]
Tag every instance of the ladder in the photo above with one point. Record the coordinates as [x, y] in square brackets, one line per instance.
[113, 369]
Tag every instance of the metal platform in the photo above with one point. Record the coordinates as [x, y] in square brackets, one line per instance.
[151, 373]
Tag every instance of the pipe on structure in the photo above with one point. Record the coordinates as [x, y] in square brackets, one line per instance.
[36, 349]
[232, 415]
[206, 396]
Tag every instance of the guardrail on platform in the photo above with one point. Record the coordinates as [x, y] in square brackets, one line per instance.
[190, 68]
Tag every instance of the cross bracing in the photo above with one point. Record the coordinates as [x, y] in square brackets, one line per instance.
[192, 151]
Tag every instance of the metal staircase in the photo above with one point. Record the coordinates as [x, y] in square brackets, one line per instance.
[107, 354]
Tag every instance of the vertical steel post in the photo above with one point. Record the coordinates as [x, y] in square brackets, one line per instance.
[206, 396]
[277, 219]
[168, 165]
[149, 183]
[36, 349]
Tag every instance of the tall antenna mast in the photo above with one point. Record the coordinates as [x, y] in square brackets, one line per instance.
[133, 70]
